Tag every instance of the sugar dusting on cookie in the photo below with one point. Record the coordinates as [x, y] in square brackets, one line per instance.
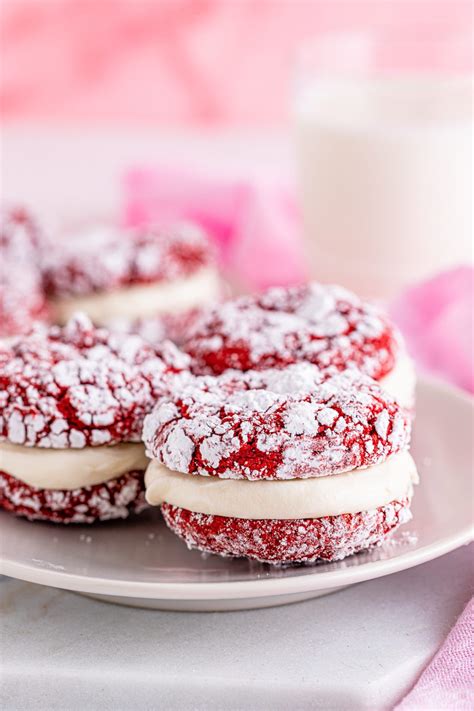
[80, 386]
[258, 425]
[325, 325]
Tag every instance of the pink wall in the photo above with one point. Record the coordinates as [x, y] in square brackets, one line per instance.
[179, 61]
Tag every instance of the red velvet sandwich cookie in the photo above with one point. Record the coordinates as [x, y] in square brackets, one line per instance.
[144, 279]
[324, 325]
[22, 299]
[283, 466]
[72, 404]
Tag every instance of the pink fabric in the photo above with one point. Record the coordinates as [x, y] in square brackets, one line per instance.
[254, 224]
[187, 61]
[447, 684]
[437, 320]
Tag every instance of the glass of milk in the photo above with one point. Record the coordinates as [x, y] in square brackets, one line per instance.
[384, 148]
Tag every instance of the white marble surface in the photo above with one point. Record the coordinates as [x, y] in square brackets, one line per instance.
[361, 648]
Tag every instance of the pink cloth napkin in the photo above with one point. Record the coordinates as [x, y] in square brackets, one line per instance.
[448, 681]
[436, 317]
[257, 230]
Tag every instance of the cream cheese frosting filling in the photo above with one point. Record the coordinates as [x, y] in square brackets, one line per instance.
[400, 382]
[142, 301]
[349, 492]
[69, 469]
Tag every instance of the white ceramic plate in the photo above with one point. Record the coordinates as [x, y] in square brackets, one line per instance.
[141, 563]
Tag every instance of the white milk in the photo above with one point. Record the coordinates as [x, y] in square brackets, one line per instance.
[386, 179]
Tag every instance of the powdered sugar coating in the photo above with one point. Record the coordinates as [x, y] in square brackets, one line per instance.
[275, 424]
[175, 327]
[325, 325]
[80, 386]
[283, 542]
[113, 499]
[22, 299]
[106, 257]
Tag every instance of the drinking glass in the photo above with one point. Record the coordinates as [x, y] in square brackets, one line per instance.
[383, 129]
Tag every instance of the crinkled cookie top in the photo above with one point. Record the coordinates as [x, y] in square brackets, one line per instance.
[275, 424]
[80, 386]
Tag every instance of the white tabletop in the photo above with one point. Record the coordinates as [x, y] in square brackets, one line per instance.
[361, 648]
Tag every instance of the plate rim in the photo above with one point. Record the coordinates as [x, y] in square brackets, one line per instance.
[237, 589]
[259, 587]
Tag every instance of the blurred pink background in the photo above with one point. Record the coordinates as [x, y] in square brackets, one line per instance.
[182, 61]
